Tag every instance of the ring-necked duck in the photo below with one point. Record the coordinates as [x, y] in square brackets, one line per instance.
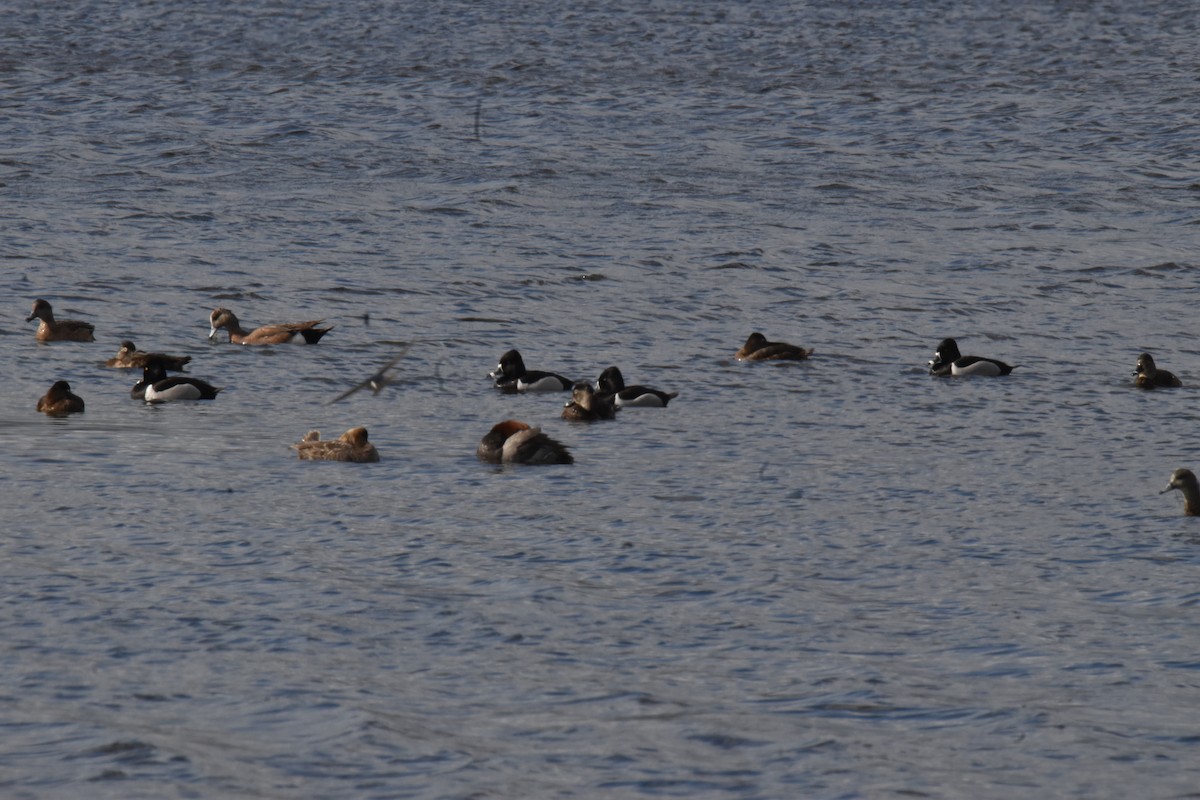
[129, 357]
[156, 387]
[60, 330]
[611, 383]
[58, 401]
[757, 348]
[266, 334]
[350, 446]
[511, 376]
[514, 442]
[1185, 481]
[948, 361]
[585, 405]
[1150, 377]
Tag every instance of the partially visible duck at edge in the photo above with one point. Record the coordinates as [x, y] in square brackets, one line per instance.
[1148, 376]
[947, 360]
[156, 387]
[511, 376]
[757, 348]
[587, 406]
[611, 383]
[514, 442]
[1185, 481]
[59, 330]
[129, 357]
[350, 446]
[267, 334]
[59, 401]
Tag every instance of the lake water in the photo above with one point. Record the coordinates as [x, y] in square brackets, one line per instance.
[833, 579]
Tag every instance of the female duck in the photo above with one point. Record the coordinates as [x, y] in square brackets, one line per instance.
[1185, 481]
[267, 334]
[156, 387]
[757, 348]
[514, 442]
[586, 406]
[948, 361]
[59, 401]
[1149, 377]
[129, 357]
[511, 376]
[59, 330]
[350, 446]
[612, 384]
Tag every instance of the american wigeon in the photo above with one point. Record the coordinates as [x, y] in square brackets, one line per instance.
[1148, 376]
[1185, 481]
[129, 357]
[757, 348]
[514, 442]
[611, 383]
[59, 330]
[948, 361]
[156, 387]
[511, 376]
[267, 334]
[350, 446]
[587, 406]
[58, 401]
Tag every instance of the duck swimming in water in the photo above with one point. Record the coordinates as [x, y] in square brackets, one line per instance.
[947, 360]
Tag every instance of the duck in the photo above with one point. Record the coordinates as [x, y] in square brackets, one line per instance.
[129, 357]
[757, 348]
[267, 334]
[586, 406]
[612, 384]
[1185, 481]
[156, 387]
[59, 330]
[59, 401]
[350, 446]
[1147, 376]
[947, 360]
[511, 376]
[515, 442]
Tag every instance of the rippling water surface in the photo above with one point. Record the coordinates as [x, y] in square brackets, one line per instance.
[839, 578]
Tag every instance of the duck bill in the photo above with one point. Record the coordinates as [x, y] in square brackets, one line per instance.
[212, 334]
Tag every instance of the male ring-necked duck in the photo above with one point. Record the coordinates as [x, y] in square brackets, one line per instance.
[59, 330]
[1150, 377]
[511, 376]
[611, 383]
[757, 348]
[1185, 481]
[267, 334]
[129, 357]
[350, 446]
[948, 361]
[59, 401]
[586, 406]
[514, 442]
[156, 387]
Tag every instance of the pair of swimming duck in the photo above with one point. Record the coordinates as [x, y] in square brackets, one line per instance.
[51, 329]
[947, 360]
[512, 376]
